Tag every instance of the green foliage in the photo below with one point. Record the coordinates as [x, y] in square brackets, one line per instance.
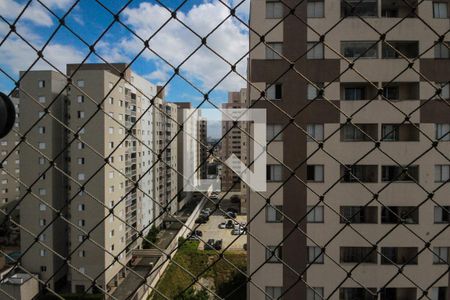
[191, 294]
[151, 238]
[225, 278]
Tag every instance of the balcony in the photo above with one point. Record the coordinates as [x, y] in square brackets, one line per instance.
[398, 8]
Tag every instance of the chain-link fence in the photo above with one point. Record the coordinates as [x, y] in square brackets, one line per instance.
[96, 201]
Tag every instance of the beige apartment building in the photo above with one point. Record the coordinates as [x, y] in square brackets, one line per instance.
[9, 156]
[392, 99]
[231, 143]
[107, 182]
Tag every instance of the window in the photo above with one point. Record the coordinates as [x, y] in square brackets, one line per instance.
[43, 252]
[42, 222]
[400, 132]
[315, 173]
[391, 92]
[399, 255]
[315, 50]
[274, 9]
[360, 8]
[80, 83]
[111, 145]
[442, 214]
[398, 49]
[443, 132]
[315, 9]
[315, 132]
[82, 253]
[81, 160]
[315, 214]
[445, 91]
[274, 50]
[273, 254]
[440, 255]
[359, 214]
[42, 207]
[439, 293]
[41, 83]
[441, 50]
[41, 99]
[354, 93]
[314, 293]
[80, 114]
[43, 268]
[398, 214]
[313, 91]
[273, 292]
[41, 160]
[359, 49]
[81, 176]
[273, 214]
[41, 114]
[397, 173]
[111, 100]
[315, 255]
[363, 173]
[358, 293]
[274, 132]
[359, 132]
[42, 192]
[274, 172]
[111, 130]
[81, 207]
[41, 130]
[358, 255]
[80, 99]
[274, 91]
[42, 146]
[441, 173]
[440, 10]
[81, 223]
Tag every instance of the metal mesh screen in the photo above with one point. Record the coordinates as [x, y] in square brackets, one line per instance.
[412, 121]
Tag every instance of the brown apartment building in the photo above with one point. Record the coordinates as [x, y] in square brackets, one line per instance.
[104, 211]
[231, 143]
[348, 182]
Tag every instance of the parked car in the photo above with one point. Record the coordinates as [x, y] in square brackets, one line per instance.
[230, 215]
[238, 231]
[193, 237]
[218, 245]
[222, 225]
[206, 211]
[210, 244]
[229, 224]
[198, 233]
[213, 197]
[202, 220]
[232, 209]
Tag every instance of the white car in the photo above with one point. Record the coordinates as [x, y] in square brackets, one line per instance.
[222, 225]
[238, 231]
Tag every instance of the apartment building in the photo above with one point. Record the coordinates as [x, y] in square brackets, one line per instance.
[203, 147]
[9, 156]
[231, 143]
[104, 181]
[392, 99]
[165, 143]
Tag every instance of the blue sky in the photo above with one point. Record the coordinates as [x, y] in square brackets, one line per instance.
[174, 42]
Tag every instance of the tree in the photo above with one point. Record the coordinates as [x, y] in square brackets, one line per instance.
[191, 294]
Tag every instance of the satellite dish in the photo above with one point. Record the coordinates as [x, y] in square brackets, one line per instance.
[7, 115]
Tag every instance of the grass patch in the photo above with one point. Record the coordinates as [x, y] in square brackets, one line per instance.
[224, 279]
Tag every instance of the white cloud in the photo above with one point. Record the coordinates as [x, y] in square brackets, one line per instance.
[18, 56]
[35, 12]
[175, 43]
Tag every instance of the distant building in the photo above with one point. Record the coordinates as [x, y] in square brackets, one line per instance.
[231, 142]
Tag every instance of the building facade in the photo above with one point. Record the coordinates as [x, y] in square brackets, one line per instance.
[102, 172]
[341, 211]
[231, 142]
